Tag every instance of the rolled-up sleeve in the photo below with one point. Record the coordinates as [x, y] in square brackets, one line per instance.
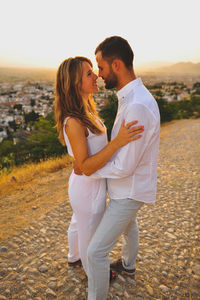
[126, 159]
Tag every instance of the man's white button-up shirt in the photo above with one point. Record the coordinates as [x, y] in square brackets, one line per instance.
[132, 171]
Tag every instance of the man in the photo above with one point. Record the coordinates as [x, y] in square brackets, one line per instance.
[131, 173]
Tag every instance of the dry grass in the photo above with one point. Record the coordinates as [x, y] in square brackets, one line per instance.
[38, 189]
[26, 173]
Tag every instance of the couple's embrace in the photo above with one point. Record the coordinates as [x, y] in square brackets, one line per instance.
[126, 167]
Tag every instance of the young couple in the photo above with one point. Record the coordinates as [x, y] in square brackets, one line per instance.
[126, 167]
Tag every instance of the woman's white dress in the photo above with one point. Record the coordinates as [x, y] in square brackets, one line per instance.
[88, 199]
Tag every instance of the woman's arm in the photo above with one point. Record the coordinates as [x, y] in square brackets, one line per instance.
[76, 133]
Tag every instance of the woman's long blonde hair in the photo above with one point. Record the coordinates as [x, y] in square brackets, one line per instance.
[68, 100]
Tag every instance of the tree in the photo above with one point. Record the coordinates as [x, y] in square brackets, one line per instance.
[45, 142]
[108, 112]
[7, 159]
[196, 85]
[9, 134]
[18, 106]
[7, 146]
[50, 118]
[32, 102]
[13, 125]
[195, 103]
[158, 93]
[166, 113]
[31, 117]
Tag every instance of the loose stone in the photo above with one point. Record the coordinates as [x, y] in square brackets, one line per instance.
[164, 288]
[3, 249]
[149, 290]
[43, 269]
[50, 293]
[33, 262]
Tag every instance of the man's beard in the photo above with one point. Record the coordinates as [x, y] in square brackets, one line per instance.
[111, 81]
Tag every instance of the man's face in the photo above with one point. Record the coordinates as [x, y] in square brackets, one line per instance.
[106, 72]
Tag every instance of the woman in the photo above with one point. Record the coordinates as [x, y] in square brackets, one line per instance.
[84, 134]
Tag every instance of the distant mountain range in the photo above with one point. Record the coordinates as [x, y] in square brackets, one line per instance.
[181, 68]
[23, 74]
[178, 69]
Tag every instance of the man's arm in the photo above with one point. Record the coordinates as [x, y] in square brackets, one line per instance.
[89, 164]
[127, 158]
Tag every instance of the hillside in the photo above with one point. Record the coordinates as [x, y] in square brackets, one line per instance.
[181, 68]
[30, 191]
[186, 72]
[34, 219]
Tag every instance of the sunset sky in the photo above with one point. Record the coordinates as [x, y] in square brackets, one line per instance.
[42, 33]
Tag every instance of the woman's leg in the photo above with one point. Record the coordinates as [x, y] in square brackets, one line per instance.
[87, 198]
[73, 254]
[87, 224]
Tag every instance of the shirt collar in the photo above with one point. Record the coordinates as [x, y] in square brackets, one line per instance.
[123, 92]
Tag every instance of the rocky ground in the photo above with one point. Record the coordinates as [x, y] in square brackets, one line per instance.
[33, 261]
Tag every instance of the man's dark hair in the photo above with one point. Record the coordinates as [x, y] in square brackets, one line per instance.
[115, 47]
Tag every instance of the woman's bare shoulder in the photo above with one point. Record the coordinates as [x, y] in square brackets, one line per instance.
[74, 125]
[71, 121]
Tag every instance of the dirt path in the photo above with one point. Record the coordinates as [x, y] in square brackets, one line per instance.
[34, 221]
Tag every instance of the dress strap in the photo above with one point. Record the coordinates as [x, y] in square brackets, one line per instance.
[65, 121]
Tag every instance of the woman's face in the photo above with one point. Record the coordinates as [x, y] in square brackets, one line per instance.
[89, 78]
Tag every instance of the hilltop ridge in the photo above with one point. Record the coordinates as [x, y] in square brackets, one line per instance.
[15, 74]
[181, 68]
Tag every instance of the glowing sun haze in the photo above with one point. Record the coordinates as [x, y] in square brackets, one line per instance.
[42, 33]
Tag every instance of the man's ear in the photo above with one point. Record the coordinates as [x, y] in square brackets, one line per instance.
[116, 65]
